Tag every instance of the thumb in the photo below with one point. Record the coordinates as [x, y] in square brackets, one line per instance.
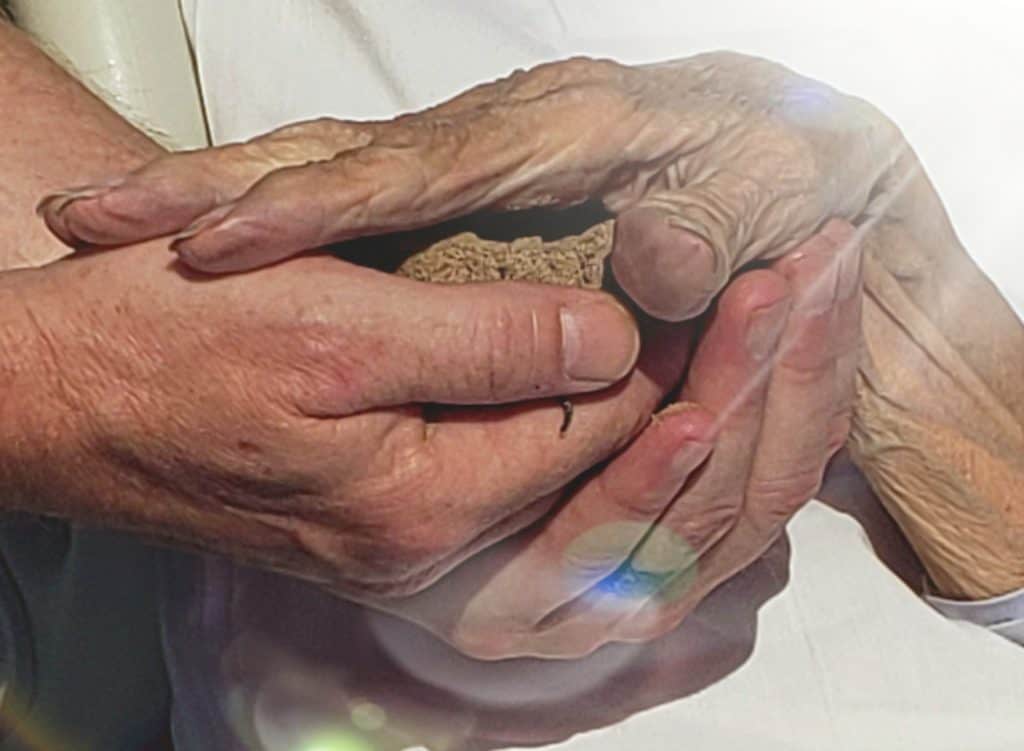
[479, 344]
[671, 271]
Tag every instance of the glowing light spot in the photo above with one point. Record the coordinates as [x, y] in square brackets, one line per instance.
[628, 583]
[368, 716]
[661, 562]
[339, 741]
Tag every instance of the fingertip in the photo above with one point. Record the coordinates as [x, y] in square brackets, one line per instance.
[815, 277]
[754, 290]
[201, 259]
[218, 243]
[51, 212]
[117, 215]
[600, 341]
[89, 220]
[688, 422]
[670, 272]
[750, 318]
[53, 208]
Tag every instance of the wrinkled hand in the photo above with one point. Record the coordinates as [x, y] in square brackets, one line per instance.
[635, 547]
[277, 416]
[709, 162]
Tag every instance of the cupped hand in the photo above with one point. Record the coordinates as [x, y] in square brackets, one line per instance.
[279, 416]
[708, 162]
[631, 550]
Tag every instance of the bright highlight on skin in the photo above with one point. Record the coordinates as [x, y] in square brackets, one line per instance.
[665, 568]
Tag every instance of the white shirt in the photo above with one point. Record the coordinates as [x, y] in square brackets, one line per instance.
[824, 648]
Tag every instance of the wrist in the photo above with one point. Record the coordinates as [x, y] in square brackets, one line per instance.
[938, 428]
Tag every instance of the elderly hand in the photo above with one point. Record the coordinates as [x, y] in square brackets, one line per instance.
[635, 547]
[277, 416]
[709, 162]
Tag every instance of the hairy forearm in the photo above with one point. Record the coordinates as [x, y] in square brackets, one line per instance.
[54, 133]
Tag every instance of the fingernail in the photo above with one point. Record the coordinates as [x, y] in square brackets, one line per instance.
[765, 327]
[670, 271]
[207, 221]
[699, 425]
[60, 199]
[600, 341]
[688, 456]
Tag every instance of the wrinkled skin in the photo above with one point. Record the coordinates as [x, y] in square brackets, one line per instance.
[313, 452]
[634, 550]
[729, 158]
[708, 163]
[337, 478]
[277, 417]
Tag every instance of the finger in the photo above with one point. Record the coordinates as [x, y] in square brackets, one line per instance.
[463, 344]
[849, 332]
[519, 452]
[539, 145]
[677, 248]
[420, 176]
[497, 461]
[803, 395]
[729, 372]
[729, 377]
[597, 528]
[799, 414]
[168, 194]
[670, 272]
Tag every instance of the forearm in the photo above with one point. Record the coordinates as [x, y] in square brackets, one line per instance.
[53, 133]
[939, 428]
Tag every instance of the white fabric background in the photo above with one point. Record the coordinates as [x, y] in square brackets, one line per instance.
[846, 657]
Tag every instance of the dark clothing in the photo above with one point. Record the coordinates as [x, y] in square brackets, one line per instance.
[80, 651]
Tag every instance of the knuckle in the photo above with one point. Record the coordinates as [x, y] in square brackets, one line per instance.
[320, 138]
[748, 409]
[505, 347]
[642, 506]
[783, 491]
[326, 365]
[804, 365]
[576, 69]
[712, 520]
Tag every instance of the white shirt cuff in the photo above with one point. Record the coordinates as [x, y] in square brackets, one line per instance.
[1003, 615]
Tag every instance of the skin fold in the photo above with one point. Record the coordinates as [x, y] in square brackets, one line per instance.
[277, 417]
[709, 163]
